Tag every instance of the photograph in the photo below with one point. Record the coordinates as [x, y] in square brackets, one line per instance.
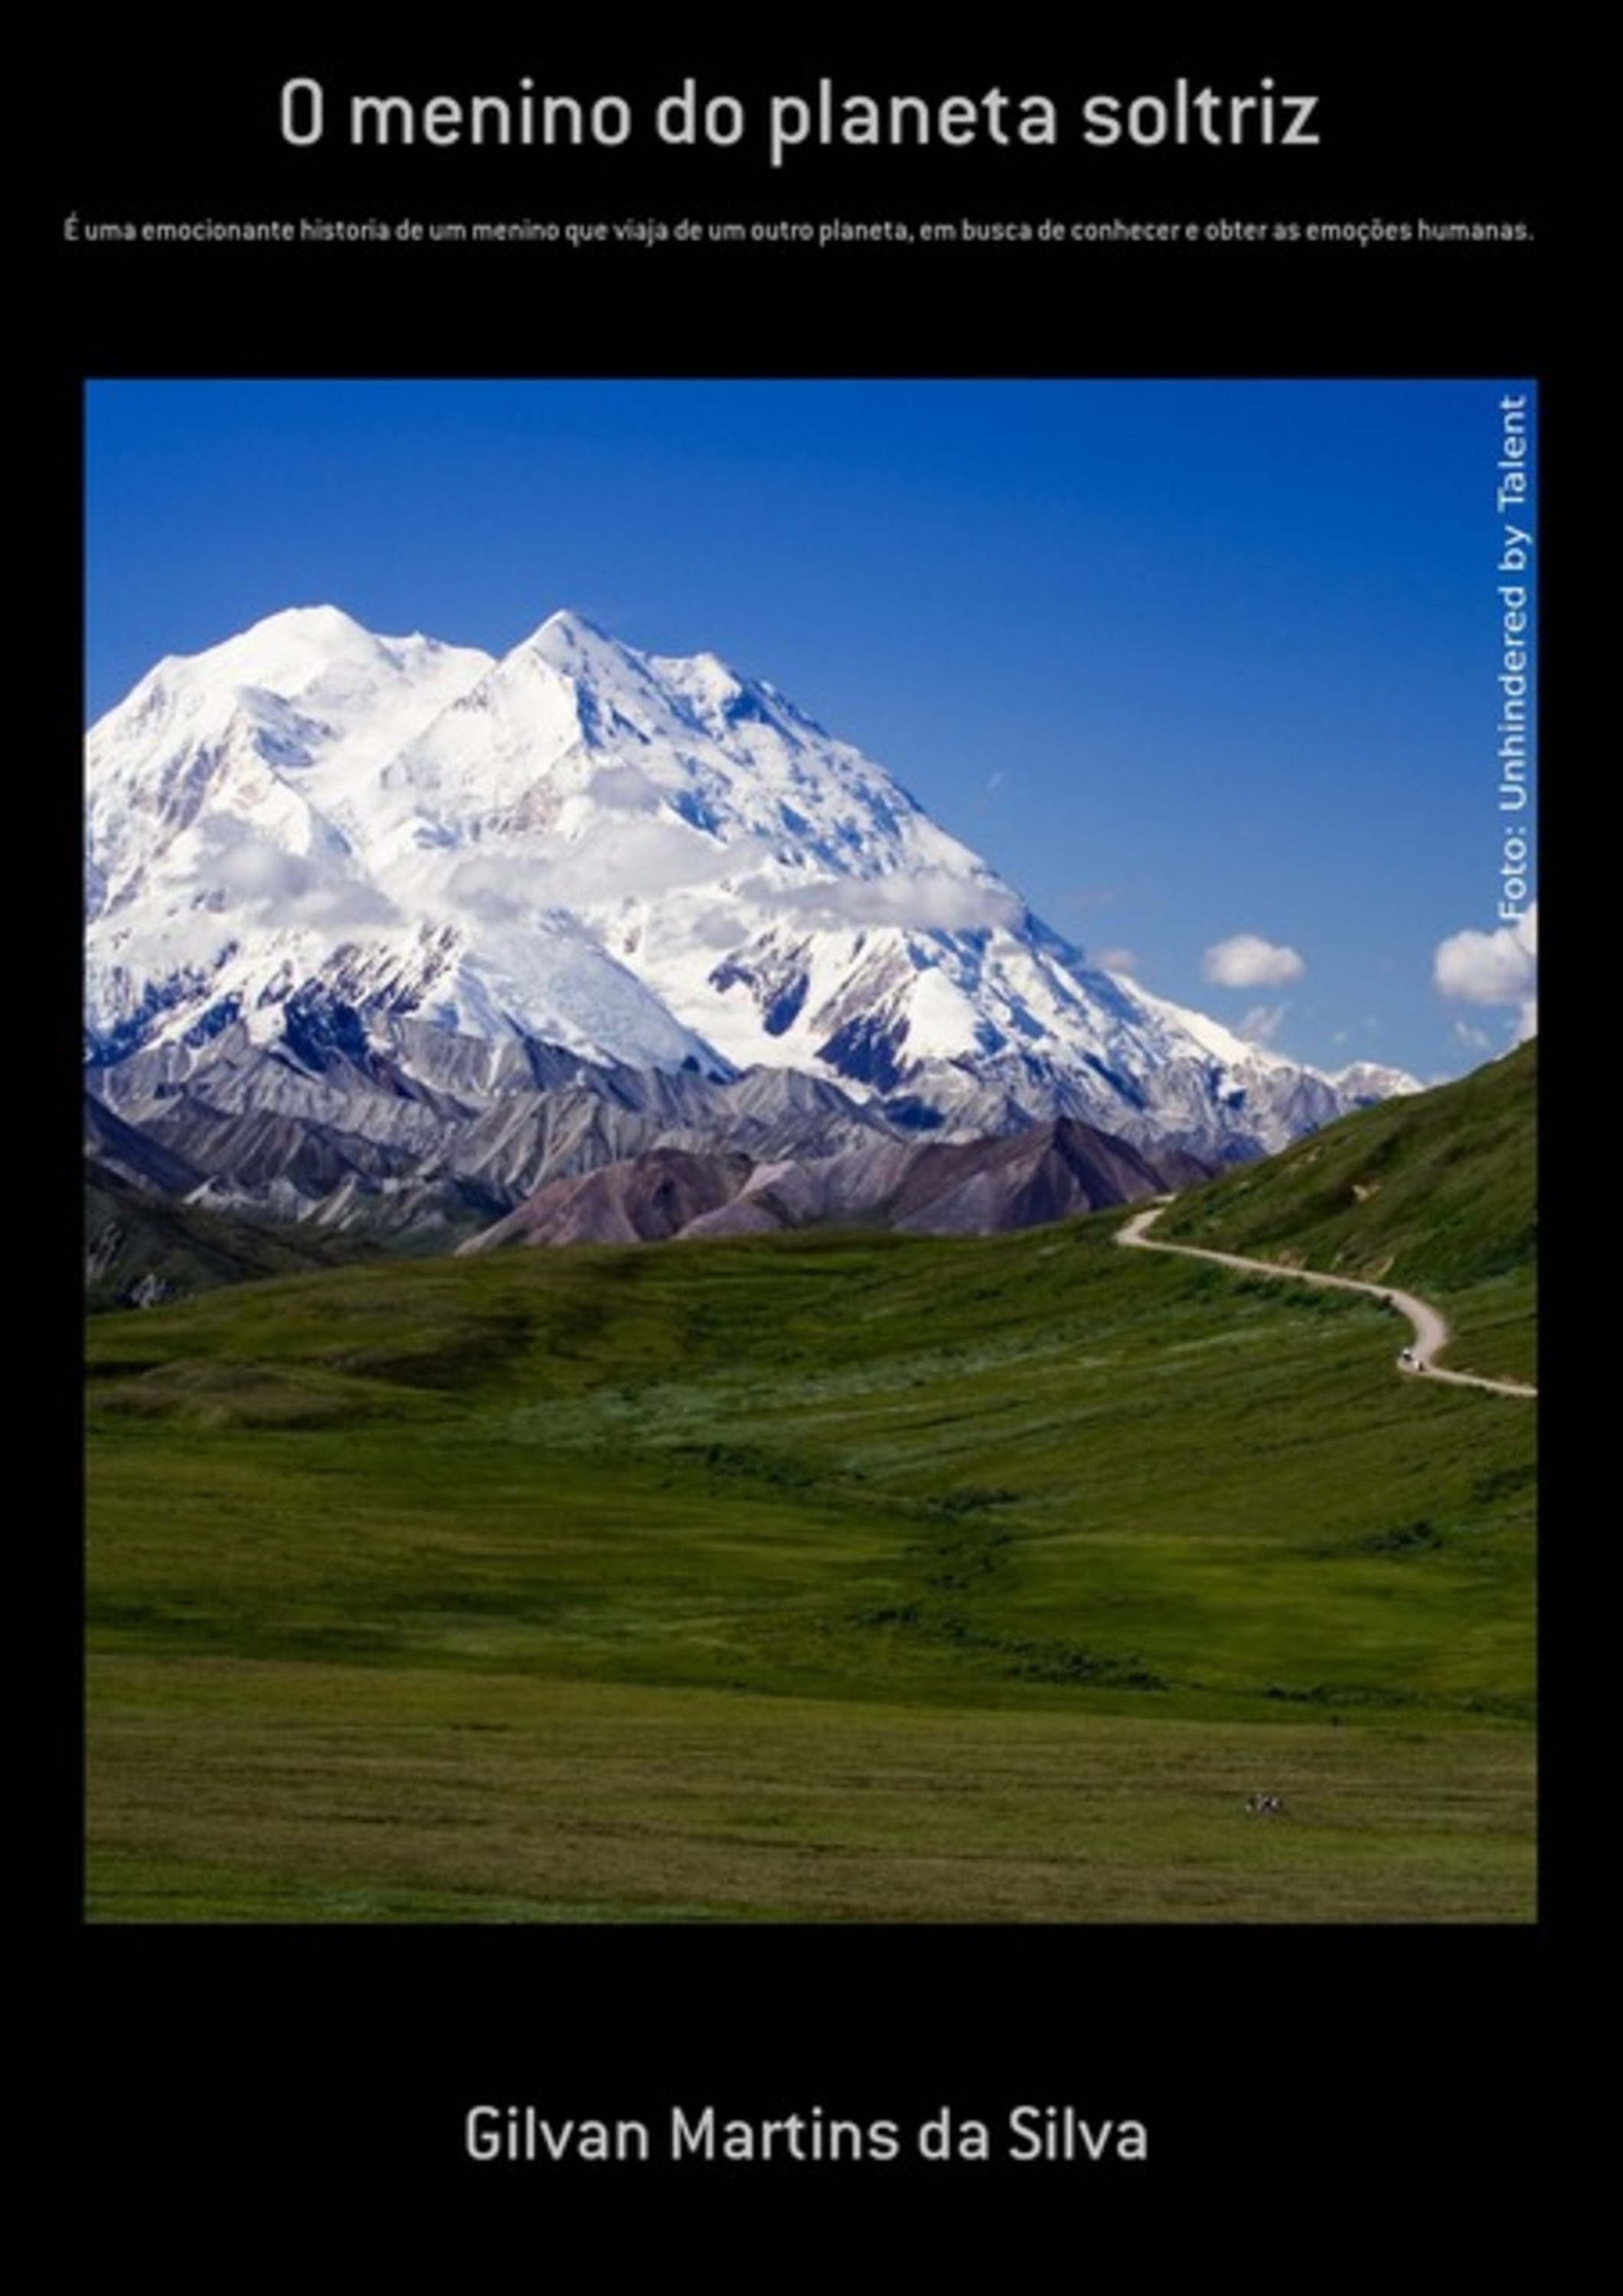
[648, 944]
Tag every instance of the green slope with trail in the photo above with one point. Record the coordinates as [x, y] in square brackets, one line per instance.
[1437, 1192]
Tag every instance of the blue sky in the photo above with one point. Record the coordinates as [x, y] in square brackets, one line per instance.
[1207, 669]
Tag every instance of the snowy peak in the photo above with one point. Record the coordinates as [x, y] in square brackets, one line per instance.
[308, 654]
[591, 665]
[644, 858]
[574, 644]
[308, 679]
[653, 698]
[660, 696]
[288, 652]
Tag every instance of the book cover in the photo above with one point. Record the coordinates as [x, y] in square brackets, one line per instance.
[920, 380]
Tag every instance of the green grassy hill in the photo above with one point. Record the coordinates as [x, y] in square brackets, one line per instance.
[1437, 1192]
[818, 1576]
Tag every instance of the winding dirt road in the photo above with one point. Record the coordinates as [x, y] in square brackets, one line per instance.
[1430, 1331]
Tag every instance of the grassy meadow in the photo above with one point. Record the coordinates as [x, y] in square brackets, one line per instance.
[815, 1577]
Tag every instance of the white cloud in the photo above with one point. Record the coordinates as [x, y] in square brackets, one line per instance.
[636, 858]
[1261, 1024]
[715, 927]
[250, 873]
[1247, 961]
[626, 787]
[1115, 960]
[641, 859]
[1494, 968]
[926, 900]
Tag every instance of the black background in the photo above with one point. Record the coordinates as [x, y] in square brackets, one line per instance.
[1370, 2082]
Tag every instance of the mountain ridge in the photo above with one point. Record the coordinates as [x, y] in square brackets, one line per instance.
[309, 835]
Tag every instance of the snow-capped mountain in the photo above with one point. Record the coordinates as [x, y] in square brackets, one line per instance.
[309, 836]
